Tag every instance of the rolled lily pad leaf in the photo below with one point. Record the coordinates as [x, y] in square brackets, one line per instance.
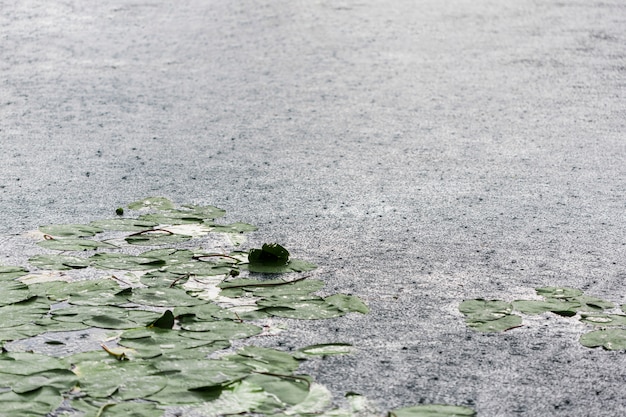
[555, 305]
[557, 292]
[271, 254]
[58, 262]
[609, 339]
[348, 303]
[69, 244]
[11, 272]
[124, 225]
[156, 203]
[163, 297]
[604, 319]
[501, 324]
[232, 228]
[325, 349]
[122, 261]
[156, 238]
[166, 321]
[433, 410]
[304, 310]
[223, 329]
[70, 230]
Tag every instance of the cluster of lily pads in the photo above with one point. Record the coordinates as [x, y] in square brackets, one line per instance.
[169, 317]
[497, 316]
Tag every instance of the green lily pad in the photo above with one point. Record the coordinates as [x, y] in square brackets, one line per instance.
[501, 324]
[156, 203]
[294, 265]
[163, 297]
[202, 269]
[432, 410]
[266, 360]
[557, 292]
[348, 303]
[288, 390]
[58, 262]
[14, 292]
[609, 339]
[26, 363]
[304, 310]
[223, 329]
[124, 225]
[555, 305]
[39, 402]
[125, 262]
[24, 312]
[188, 214]
[11, 272]
[59, 379]
[604, 319]
[70, 230]
[69, 244]
[129, 409]
[231, 228]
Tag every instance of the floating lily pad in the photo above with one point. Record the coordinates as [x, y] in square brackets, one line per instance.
[554, 305]
[124, 225]
[156, 238]
[557, 292]
[59, 262]
[69, 244]
[610, 339]
[266, 360]
[125, 262]
[304, 310]
[433, 410]
[348, 303]
[325, 349]
[163, 297]
[232, 228]
[24, 312]
[156, 203]
[188, 214]
[604, 319]
[294, 265]
[14, 292]
[489, 315]
[70, 230]
[223, 329]
[11, 272]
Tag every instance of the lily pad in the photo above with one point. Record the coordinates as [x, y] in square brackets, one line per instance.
[325, 349]
[294, 265]
[124, 225]
[70, 230]
[433, 410]
[223, 329]
[156, 237]
[557, 292]
[554, 305]
[58, 262]
[348, 303]
[156, 203]
[122, 261]
[604, 319]
[232, 228]
[11, 272]
[609, 339]
[70, 244]
[163, 297]
[304, 310]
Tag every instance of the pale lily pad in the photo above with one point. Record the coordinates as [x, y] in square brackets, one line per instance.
[70, 230]
[266, 360]
[433, 410]
[325, 349]
[25, 312]
[156, 203]
[130, 409]
[304, 310]
[223, 329]
[610, 339]
[294, 265]
[501, 324]
[557, 292]
[604, 319]
[14, 292]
